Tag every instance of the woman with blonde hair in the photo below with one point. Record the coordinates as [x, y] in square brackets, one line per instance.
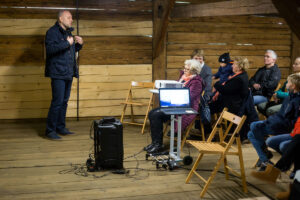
[232, 93]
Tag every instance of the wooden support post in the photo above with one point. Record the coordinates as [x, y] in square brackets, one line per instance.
[161, 14]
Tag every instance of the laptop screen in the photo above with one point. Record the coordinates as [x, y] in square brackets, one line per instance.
[174, 97]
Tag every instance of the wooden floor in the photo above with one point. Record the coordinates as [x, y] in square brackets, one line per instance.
[32, 167]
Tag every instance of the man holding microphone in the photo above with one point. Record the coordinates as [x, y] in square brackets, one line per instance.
[61, 67]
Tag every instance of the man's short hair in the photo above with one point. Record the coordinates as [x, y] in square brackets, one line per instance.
[273, 54]
[195, 67]
[198, 52]
[295, 79]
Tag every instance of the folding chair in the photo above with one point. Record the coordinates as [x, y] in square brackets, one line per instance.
[221, 148]
[134, 89]
[187, 131]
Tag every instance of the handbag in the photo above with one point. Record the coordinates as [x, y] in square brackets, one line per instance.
[205, 116]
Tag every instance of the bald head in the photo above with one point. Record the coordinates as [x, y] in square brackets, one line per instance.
[65, 19]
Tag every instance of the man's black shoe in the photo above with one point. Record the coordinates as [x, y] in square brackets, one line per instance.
[65, 131]
[156, 148]
[150, 146]
[53, 136]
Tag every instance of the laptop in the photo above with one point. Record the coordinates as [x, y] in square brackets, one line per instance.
[175, 101]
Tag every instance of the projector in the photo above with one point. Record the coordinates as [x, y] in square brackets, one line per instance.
[167, 84]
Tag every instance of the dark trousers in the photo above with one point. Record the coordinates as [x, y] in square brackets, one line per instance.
[295, 191]
[61, 90]
[290, 156]
[157, 120]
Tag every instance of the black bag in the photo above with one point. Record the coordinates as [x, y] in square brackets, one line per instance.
[108, 143]
[204, 111]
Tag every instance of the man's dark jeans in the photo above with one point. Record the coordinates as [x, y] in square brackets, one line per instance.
[61, 90]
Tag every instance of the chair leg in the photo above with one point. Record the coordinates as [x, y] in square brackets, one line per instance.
[202, 131]
[254, 166]
[194, 168]
[212, 176]
[146, 116]
[187, 133]
[144, 124]
[243, 176]
[132, 114]
[123, 113]
[226, 169]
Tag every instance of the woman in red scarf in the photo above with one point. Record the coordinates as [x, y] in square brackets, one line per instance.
[231, 93]
[191, 79]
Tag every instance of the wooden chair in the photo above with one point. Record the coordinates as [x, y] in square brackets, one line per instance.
[187, 131]
[135, 87]
[221, 148]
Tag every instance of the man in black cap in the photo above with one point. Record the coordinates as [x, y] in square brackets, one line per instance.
[225, 69]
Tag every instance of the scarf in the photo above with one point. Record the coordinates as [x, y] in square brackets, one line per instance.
[185, 79]
[215, 97]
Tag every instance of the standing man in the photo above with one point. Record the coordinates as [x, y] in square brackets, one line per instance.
[266, 79]
[61, 68]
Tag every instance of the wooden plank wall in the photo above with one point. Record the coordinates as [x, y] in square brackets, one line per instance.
[247, 36]
[116, 51]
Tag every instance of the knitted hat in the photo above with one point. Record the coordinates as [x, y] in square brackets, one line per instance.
[224, 58]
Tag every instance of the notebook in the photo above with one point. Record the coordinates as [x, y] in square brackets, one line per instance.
[175, 101]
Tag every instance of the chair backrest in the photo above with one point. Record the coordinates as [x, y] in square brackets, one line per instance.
[138, 86]
[277, 88]
[232, 119]
[142, 84]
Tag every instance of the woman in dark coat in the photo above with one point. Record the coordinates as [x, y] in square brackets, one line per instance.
[232, 93]
[191, 79]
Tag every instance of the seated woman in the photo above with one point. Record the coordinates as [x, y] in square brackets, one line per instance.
[191, 79]
[232, 93]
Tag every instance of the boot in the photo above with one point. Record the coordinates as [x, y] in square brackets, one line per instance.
[268, 153]
[284, 195]
[270, 174]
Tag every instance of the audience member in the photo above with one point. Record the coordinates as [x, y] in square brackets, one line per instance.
[270, 108]
[205, 73]
[289, 157]
[191, 79]
[225, 69]
[231, 93]
[266, 79]
[279, 123]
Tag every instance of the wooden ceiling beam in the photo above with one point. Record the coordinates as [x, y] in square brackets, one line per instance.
[290, 11]
[225, 8]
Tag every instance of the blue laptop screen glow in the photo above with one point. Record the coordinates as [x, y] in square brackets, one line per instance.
[174, 97]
